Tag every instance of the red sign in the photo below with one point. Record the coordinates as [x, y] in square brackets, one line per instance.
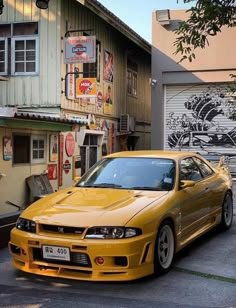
[60, 181]
[52, 171]
[67, 166]
[70, 144]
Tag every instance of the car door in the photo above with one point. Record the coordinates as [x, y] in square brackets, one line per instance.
[194, 204]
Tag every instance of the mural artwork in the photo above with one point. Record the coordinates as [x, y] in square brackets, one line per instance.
[209, 123]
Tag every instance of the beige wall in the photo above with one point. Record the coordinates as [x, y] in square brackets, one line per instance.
[213, 64]
[220, 55]
[13, 186]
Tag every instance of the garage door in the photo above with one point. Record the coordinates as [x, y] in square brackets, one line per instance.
[200, 118]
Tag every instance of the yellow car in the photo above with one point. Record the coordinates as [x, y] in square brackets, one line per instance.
[125, 218]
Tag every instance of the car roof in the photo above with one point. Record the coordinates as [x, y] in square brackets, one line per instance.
[152, 154]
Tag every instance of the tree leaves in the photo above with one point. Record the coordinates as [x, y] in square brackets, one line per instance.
[206, 19]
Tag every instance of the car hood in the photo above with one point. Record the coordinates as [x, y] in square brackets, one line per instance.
[91, 206]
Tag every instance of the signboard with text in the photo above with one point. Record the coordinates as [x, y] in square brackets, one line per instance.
[80, 49]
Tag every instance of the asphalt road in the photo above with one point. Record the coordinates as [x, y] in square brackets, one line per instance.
[203, 275]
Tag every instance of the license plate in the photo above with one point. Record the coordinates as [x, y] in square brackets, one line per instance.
[56, 253]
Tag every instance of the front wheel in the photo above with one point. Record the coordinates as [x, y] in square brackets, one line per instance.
[227, 212]
[164, 249]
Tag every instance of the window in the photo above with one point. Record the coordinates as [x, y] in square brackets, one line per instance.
[92, 70]
[29, 149]
[205, 169]
[189, 170]
[19, 49]
[38, 144]
[132, 70]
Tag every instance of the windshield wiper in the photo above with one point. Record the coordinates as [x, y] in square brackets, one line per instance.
[144, 188]
[104, 185]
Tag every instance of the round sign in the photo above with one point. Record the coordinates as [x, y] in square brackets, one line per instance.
[70, 144]
[67, 166]
[80, 49]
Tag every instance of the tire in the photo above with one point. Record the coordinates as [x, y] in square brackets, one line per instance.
[164, 249]
[227, 212]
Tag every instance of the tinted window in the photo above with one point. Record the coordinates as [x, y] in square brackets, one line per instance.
[189, 170]
[205, 169]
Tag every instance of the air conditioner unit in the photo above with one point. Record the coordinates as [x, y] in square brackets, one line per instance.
[127, 123]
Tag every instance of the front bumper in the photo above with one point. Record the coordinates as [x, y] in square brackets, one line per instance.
[124, 259]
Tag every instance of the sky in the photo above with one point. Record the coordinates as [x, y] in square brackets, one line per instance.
[137, 14]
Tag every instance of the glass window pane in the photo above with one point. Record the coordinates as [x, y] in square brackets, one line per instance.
[19, 67]
[35, 144]
[41, 154]
[2, 56]
[2, 45]
[35, 154]
[30, 44]
[5, 30]
[26, 28]
[30, 67]
[19, 45]
[19, 56]
[2, 67]
[41, 144]
[30, 55]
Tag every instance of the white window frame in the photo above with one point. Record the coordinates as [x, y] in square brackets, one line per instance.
[13, 62]
[38, 160]
[5, 55]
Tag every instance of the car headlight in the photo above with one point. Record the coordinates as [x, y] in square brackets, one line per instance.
[26, 225]
[112, 232]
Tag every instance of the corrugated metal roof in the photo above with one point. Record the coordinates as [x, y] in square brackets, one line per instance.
[49, 118]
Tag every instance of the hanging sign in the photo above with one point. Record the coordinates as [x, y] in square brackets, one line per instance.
[80, 49]
[86, 87]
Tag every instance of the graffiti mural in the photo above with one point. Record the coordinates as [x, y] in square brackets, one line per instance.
[208, 123]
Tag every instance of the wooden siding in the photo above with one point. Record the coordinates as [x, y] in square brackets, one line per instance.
[79, 17]
[43, 89]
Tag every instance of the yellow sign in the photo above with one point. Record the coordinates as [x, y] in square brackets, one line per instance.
[86, 87]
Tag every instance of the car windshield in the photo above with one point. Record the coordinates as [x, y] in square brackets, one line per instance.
[131, 173]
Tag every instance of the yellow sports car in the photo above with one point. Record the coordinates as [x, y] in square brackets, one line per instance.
[125, 218]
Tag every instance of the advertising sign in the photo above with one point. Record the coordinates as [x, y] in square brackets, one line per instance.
[70, 144]
[7, 148]
[86, 87]
[80, 49]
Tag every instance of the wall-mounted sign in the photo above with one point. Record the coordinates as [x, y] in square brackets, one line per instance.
[86, 87]
[53, 148]
[66, 166]
[80, 49]
[70, 144]
[99, 99]
[7, 148]
[52, 171]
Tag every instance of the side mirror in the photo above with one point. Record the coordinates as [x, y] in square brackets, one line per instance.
[77, 178]
[186, 184]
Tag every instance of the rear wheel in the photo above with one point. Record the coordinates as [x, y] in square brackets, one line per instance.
[164, 248]
[227, 212]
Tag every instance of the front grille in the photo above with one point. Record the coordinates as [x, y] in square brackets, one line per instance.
[62, 229]
[76, 259]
